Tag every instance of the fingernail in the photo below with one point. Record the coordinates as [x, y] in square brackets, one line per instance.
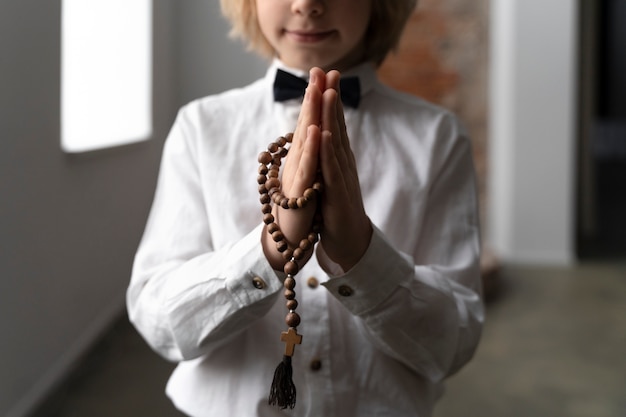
[312, 78]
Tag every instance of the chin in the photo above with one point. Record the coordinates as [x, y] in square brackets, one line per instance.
[307, 61]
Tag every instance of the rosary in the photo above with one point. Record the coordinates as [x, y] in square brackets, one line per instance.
[283, 390]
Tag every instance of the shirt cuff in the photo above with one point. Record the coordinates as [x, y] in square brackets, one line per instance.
[252, 278]
[377, 274]
[243, 285]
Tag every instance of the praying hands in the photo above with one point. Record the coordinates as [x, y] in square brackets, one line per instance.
[320, 145]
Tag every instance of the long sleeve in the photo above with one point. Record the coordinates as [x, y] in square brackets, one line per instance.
[422, 305]
[186, 295]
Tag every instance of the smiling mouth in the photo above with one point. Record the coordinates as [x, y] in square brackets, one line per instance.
[309, 37]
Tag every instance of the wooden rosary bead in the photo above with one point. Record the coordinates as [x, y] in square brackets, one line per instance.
[291, 268]
[292, 319]
[272, 172]
[291, 304]
[275, 194]
[288, 254]
[268, 218]
[305, 245]
[265, 157]
[266, 208]
[318, 187]
[309, 194]
[272, 183]
[272, 227]
[265, 198]
[298, 254]
[289, 294]
[277, 236]
[289, 284]
[282, 246]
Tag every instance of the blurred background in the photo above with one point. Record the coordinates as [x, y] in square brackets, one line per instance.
[540, 86]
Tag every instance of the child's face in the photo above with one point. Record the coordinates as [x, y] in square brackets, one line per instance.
[316, 33]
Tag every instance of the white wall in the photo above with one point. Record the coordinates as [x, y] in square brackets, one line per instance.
[69, 225]
[532, 130]
[209, 61]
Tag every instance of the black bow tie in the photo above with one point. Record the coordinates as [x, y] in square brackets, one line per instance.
[288, 86]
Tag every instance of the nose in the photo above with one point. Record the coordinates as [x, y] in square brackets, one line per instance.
[308, 8]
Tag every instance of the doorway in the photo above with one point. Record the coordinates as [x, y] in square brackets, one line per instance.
[602, 150]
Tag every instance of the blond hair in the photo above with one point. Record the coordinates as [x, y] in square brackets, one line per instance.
[383, 34]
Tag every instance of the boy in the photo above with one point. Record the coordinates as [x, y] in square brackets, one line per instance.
[390, 296]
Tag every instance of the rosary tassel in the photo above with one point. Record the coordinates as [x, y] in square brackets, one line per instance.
[283, 391]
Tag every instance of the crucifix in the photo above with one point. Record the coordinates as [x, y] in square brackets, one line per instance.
[291, 339]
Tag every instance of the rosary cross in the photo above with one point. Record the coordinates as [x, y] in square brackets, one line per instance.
[291, 339]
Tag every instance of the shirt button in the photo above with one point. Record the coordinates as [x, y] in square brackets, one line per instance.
[258, 283]
[345, 291]
[316, 365]
[312, 282]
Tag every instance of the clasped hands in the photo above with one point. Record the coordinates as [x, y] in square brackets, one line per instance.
[320, 144]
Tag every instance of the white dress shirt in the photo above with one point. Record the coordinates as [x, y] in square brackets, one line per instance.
[379, 339]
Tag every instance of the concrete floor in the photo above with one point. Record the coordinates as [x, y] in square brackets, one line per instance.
[554, 345]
